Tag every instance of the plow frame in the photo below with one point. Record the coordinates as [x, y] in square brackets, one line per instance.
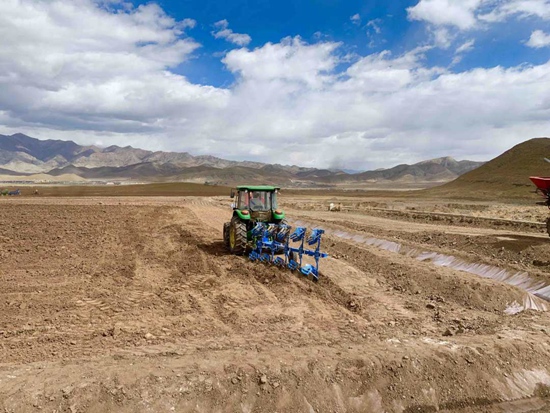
[272, 239]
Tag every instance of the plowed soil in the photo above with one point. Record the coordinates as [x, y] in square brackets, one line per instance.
[126, 305]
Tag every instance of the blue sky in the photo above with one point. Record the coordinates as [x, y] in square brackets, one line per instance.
[355, 84]
[270, 21]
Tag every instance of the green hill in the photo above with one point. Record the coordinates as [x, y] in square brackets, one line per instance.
[506, 176]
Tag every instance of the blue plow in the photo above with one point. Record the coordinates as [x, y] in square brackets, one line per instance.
[272, 239]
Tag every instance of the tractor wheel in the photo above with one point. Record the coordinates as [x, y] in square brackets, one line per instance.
[548, 226]
[226, 234]
[292, 256]
[237, 236]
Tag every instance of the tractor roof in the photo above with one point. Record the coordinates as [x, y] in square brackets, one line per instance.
[257, 188]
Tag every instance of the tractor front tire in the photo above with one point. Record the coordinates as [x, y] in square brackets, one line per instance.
[237, 236]
[226, 234]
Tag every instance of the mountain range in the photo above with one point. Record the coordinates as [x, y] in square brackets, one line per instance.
[24, 156]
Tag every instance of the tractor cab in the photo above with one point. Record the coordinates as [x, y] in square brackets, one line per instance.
[257, 203]
[252, 204]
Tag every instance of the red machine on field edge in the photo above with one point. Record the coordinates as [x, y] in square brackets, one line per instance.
[543, 188]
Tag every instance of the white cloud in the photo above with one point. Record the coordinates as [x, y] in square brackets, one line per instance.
[469, 14]
[383, 110]
[539, 39]
[380, 73]
[291, 60]
[224, 32]
[373, 31]
[375, 25]
[74, 64]
[448, 20]
[521, 8]
[466, 47]
[459, 13]
[442, 37]
[356, 19]
[461, 50]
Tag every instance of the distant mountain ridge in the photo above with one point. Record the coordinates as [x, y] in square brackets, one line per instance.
[434, 170]
[23, 155]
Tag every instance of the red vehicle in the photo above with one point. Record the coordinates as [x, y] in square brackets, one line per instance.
[543, 188]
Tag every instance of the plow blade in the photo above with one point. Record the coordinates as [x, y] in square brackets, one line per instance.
[271, 239]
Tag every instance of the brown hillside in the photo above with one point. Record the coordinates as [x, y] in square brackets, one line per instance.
[506, 176]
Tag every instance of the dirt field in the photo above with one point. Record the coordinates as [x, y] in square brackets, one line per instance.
[132, 304]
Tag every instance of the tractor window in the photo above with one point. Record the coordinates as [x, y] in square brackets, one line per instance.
[257, 200]
[260, 201]
[242, 201]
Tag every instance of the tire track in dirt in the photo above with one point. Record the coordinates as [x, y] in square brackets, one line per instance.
[389, 225]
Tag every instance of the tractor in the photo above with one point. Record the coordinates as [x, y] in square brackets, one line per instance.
[259, 226]
[252, 205]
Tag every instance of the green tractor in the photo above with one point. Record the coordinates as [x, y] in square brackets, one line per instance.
[252, 204]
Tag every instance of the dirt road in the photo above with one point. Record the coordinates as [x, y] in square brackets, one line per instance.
[124, 305]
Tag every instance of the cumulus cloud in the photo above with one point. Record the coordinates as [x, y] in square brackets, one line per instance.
[538, 39]
[521, 8]
[468, 14]
[78, 70]
[74, 64]
[356, 19]
[291, 60]
[224, 32]
[459, 13]
[383, 107]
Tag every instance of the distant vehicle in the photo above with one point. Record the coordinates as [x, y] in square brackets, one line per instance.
[14, 193]
[335, 207]
[543, 187]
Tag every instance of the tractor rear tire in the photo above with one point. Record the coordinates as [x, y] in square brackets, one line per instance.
[226, 234]
[548, 226]
[237, 236]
